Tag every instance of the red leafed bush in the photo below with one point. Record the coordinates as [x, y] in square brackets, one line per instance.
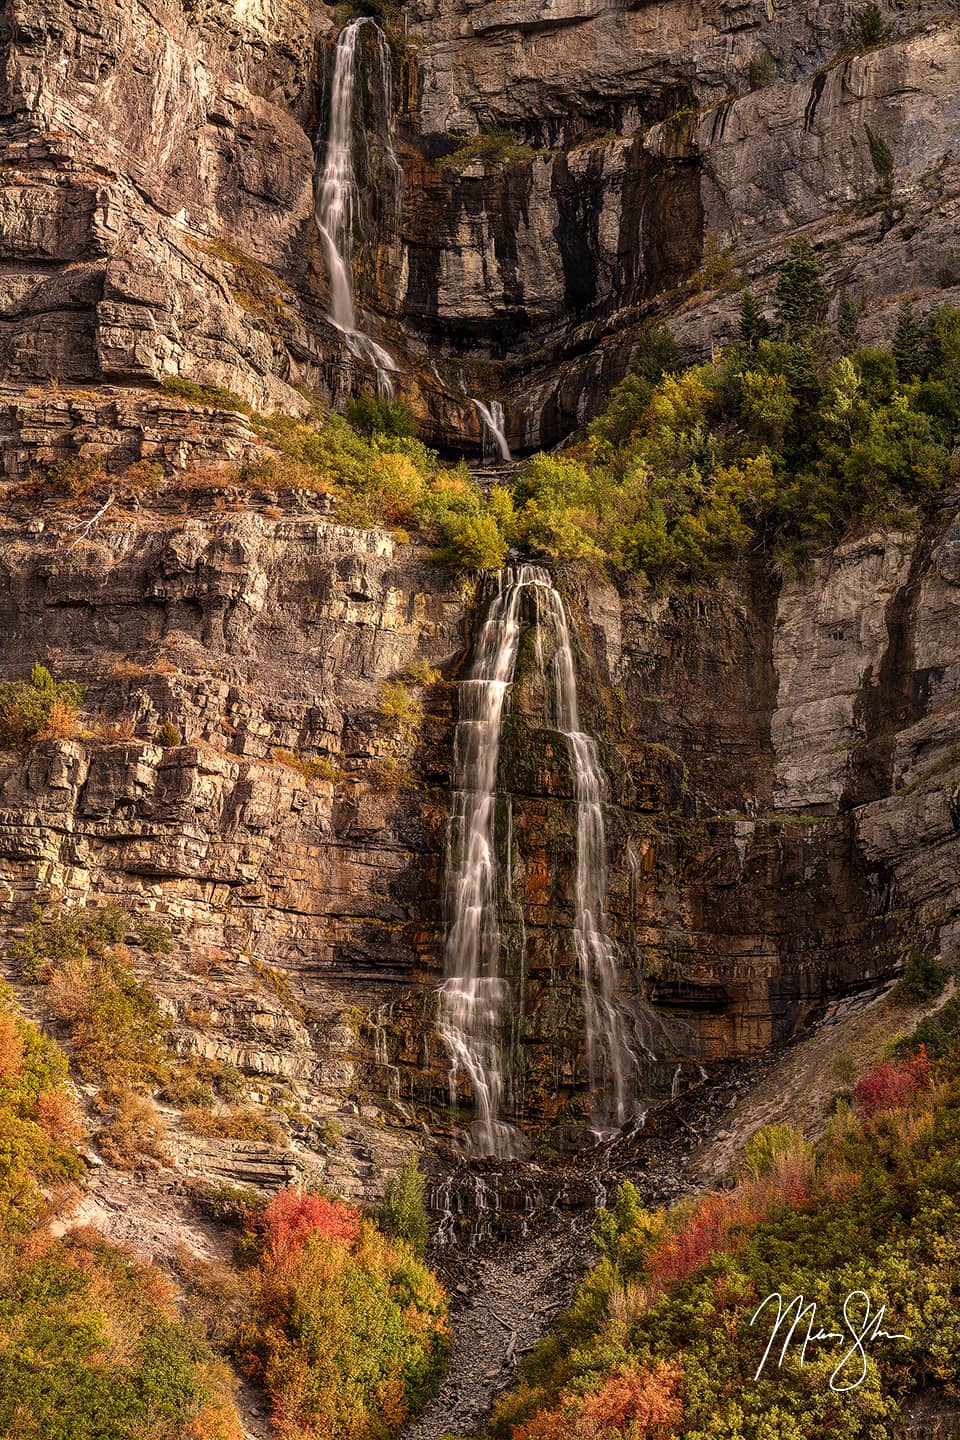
[892, 1083]
[702, 1234]
[294, 1215]
[640, 1403]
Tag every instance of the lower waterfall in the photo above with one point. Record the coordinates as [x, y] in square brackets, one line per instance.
[476, 1000]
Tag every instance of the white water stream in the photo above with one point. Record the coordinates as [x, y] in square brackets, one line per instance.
[494, 439]
[475, 997]
[336, 193]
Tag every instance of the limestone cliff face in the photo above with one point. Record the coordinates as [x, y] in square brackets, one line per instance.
[783, 824]
[159, 164]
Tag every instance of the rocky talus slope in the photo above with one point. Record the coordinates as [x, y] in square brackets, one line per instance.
[159, 163]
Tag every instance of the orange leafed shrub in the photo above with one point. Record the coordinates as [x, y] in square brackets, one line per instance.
[294, 1215]
[892, 1083]
[640, 1403]
[62, 723]
[11, 1051]
[57, 1114]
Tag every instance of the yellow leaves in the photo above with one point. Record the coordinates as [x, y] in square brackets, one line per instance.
[680, 402]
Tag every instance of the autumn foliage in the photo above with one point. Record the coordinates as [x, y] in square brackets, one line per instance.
[293, 1216]
[642, 1404]
[892, 1083]
[346, 1329]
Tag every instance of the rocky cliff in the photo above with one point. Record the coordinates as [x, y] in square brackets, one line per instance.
[570, 169]
[783, 824]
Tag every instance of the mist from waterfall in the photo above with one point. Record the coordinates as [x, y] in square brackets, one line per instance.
[336, 194]
[476, 1004]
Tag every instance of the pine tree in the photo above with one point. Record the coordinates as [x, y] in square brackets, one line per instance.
[753, 323]
[908, 343]
[848, 323]
[801, 297]
[871, 28]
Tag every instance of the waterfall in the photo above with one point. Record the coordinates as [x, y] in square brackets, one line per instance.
[612, 1063]
[475, 997]
[336, 194]
[473, 993]
[494, 440]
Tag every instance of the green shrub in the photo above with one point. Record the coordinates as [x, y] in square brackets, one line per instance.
[26, 706]
[421, 672]
[404, 1205]
[400, 709]
[880, 154]
[318, 767]
[212, 395]
[492, 146]
[373, 414]
[769, 1146]
[924, 976]
[168, 735]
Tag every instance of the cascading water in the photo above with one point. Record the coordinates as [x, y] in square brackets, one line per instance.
[493, 438]
[336, 193]
[612, 1060]
[473, 992]
[475, 995]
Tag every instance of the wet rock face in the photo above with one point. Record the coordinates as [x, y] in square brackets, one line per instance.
[782, 820]
[158, 213]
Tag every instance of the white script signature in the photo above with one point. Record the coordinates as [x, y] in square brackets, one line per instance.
[861, 1330]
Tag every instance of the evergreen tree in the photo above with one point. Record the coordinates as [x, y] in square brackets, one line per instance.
[908, 343]
[753, 323]
[801, 297]
[871, 28]
[848, 323]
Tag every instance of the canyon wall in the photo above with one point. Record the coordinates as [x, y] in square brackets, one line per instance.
[783, 820]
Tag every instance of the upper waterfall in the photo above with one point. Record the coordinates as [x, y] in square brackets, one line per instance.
[337, 196]
[494, 439]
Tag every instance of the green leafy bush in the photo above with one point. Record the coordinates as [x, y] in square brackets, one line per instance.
[168, 735]
[27, 707]
[92, 1349]
[373, 414]
[492, 146]
[924, 976]
[404, 1205]
[400, 709]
